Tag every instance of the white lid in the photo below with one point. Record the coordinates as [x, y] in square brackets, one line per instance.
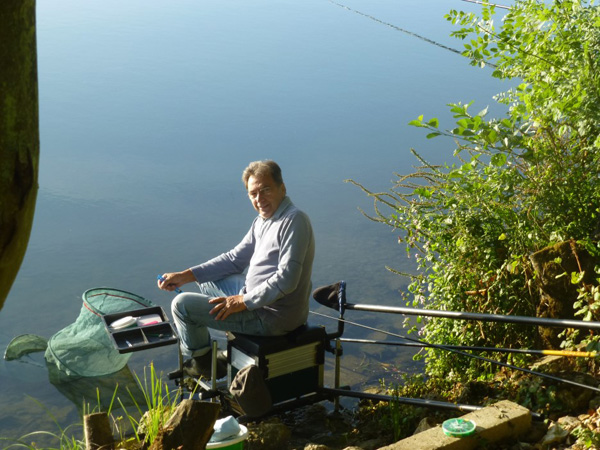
[123, 322]
[241, 436]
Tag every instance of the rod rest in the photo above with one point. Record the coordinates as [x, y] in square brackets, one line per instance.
[333, 296]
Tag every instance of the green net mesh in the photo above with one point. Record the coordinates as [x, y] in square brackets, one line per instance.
[84, 348]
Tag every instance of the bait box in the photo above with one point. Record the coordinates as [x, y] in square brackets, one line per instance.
[140, 337]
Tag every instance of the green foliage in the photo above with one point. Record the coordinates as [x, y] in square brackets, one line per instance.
[160, 403]
[587, 307]
[536, 396]
[393, 418]
[518, 184]
[587, 437]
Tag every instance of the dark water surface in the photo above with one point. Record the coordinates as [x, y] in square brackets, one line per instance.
[151, 110]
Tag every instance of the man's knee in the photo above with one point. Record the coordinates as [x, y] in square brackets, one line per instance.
[190, 305]
[179, 304]
[177, 308]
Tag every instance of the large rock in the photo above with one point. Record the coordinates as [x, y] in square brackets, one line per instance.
[496, 423]
[190, 427]
[269, 436]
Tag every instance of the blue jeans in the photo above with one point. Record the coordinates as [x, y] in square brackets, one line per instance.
[191, 314]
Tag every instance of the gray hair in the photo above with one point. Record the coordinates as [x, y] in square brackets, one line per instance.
[262, 168]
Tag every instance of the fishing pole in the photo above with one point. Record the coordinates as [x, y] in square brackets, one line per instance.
[460, 352]
[567, 353]
[540, 321]
[397, 28]
[414, 401]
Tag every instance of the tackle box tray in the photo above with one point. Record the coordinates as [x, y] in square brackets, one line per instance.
[139, 329]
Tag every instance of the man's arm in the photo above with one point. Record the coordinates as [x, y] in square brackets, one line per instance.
[232, 262]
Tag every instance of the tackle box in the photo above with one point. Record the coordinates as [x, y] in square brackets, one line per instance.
[139, 329]
[292, 365]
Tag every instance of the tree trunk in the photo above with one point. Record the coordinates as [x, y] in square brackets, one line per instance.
[19, 135]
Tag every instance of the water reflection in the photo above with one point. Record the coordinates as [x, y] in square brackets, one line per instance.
[149, 112]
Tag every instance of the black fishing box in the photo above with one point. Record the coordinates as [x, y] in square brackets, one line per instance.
[292, 365]
[139, 329]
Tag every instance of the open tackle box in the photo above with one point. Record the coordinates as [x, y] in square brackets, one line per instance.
[139, 329]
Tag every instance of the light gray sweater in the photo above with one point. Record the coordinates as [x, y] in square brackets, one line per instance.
[278, 255]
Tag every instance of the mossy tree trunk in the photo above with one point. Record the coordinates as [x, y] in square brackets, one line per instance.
[19, 135]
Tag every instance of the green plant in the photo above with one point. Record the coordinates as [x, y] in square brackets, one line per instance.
[394, 413]
[587, 437]
[518, 184]
[587, 307]
[160, 403]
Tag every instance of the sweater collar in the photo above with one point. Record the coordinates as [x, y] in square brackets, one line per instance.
[285, 203]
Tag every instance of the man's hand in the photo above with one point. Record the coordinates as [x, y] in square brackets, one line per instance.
[172, 281]
[225, 306]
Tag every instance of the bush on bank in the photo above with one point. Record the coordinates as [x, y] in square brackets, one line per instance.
[517, 184]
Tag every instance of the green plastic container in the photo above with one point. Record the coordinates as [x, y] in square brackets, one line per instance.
[235, 443]
[459, 427]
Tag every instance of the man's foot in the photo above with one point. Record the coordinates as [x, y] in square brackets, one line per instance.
[200, 366]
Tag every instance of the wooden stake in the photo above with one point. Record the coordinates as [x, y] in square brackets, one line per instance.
[98, 434]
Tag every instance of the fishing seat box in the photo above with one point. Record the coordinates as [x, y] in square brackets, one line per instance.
[292, 365]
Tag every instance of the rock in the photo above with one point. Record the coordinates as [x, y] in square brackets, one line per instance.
[549, 364]
[569, 423]
[329, 439]
[272, 435]
[316, 447]
[575, 399]
[425, 424]
[189, 427]
[311, 420]
[372, 444]
[556, 434]
[536, 433]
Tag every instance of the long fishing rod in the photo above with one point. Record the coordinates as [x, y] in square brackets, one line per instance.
[413, 401]
[460, 352]
[567, 353]
[540, 321]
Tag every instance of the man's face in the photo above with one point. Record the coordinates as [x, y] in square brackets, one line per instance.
[265, 194]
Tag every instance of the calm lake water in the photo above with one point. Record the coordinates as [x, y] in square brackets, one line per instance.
[149, 112]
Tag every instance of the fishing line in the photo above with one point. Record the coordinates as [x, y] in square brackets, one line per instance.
[397, 28]
[525, 351]
[486, 3]
[470, 355]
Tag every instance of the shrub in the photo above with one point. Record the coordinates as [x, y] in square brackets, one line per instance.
[517, 184]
